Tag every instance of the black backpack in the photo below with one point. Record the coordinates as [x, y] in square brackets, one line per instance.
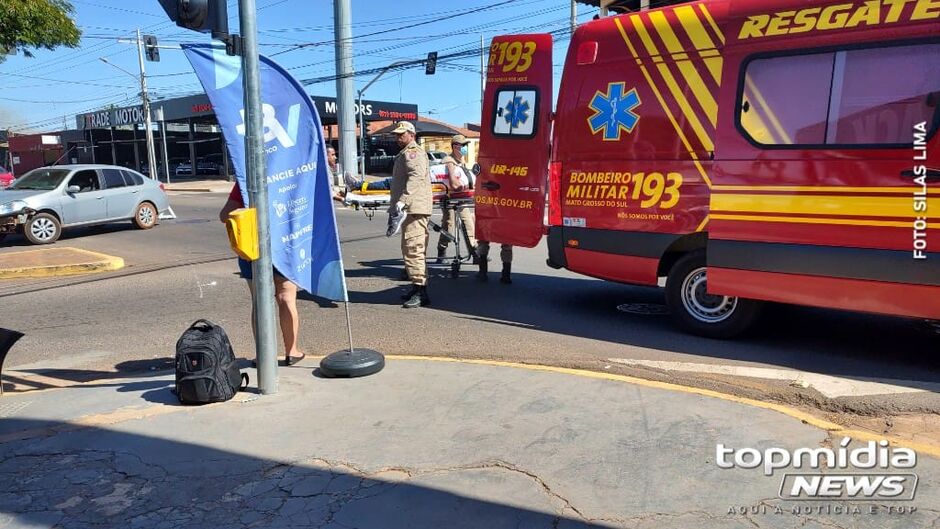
[206, 369]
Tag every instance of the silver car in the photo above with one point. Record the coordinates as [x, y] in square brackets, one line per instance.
[43, 201]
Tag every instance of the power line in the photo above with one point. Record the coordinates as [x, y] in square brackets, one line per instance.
[409, 26]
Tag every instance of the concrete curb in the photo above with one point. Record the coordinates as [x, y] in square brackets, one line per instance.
[93, 262]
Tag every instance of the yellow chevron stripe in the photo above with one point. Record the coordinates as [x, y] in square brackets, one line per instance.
[816, 220]
[820, 205]
[662, 102]
[680, 98]
[711, 22]
[686, 68]
[908, 191]
[701, 227]
[696, 31]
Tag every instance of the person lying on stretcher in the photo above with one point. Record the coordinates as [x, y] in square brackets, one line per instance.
[438, 176]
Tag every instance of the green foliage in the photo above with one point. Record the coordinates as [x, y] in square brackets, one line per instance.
[35, 24]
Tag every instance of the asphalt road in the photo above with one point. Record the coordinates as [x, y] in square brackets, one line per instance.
[87, 327]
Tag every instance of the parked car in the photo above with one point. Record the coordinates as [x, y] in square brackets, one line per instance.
[6, 178]
[184, 168]
[44, 201]
[436, 156]
[210, 164]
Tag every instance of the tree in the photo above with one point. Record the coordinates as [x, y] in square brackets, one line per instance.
[35, 24]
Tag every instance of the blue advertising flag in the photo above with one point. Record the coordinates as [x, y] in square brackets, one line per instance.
[304, 239]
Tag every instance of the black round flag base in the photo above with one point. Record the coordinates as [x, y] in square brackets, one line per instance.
[350, 364]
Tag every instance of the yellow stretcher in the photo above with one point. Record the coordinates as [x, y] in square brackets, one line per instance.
[370, 200]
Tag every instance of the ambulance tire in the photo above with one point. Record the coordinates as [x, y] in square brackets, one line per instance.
[700, 313]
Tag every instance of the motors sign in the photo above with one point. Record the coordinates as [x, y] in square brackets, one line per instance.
[128, 116]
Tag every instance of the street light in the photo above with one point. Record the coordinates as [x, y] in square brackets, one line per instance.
[145, 99]
[431, 64]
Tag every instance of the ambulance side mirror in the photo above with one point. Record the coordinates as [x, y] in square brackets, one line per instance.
[476, 169]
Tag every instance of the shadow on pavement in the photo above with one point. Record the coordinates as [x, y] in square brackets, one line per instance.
[91, 476]
[68, 234]
[836, 343]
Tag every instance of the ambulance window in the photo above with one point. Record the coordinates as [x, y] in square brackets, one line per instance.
[879, 94]
[786, 99]
[515, 113]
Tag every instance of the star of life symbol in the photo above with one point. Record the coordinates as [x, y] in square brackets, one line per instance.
[516, 112]
[614, 111]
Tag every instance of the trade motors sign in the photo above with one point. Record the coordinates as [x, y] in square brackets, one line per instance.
[114, 117]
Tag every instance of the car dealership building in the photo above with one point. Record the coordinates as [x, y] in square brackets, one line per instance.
[188, 140]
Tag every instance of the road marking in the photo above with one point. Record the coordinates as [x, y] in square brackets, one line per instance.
[52, 262]
[830, 386]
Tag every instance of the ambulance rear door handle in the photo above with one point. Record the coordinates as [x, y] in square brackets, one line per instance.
[491, 186]
[933, 175]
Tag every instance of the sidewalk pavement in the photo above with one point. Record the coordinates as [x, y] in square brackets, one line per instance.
[200, 186]
[427, 443]
[48, 262]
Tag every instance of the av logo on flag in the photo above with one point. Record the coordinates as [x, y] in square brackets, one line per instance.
[614, 111]
[273, 130]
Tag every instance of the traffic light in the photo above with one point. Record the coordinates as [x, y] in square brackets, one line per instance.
[431, 66]
[207, 16]
[150, 48]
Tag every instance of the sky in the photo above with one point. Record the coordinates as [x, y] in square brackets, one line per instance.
[44, 93]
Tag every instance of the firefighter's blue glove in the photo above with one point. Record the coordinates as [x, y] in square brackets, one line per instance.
[396, 217]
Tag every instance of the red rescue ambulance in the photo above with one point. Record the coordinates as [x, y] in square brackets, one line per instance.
[737, 151]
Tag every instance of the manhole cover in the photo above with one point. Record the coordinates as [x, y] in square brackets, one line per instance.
[193, 221]
[645, 309]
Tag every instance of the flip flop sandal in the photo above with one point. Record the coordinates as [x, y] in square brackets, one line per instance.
[291, 360]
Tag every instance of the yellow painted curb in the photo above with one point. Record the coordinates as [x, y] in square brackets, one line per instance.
[97, 262]
[836, 430]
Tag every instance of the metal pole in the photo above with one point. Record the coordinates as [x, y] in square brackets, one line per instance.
[574, 15]
[482, 72]
[342, 24]
[262, 271]
[362, 128]
[151, 157]
[362, 139]
[166, 153]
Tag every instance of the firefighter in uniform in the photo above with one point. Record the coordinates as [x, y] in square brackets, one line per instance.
[505, 255]
[410, 211]
[460, 179]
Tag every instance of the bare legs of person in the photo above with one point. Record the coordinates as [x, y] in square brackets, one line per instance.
[285, 294]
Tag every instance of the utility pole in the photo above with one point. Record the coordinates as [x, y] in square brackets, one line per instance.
[574, 16]
[482, 74]
[345, 87]
[166, 155]
[151, 157]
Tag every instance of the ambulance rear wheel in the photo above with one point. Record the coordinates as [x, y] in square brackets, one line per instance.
[698, 312]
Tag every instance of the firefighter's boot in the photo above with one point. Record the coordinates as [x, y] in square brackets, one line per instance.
[484, 269]
[505, 278]
[418, 299]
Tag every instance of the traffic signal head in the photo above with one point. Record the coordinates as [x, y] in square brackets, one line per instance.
[150, 48]
[198, 15]
[431, 65]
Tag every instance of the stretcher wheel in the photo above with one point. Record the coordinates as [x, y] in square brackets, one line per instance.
[455, 268]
